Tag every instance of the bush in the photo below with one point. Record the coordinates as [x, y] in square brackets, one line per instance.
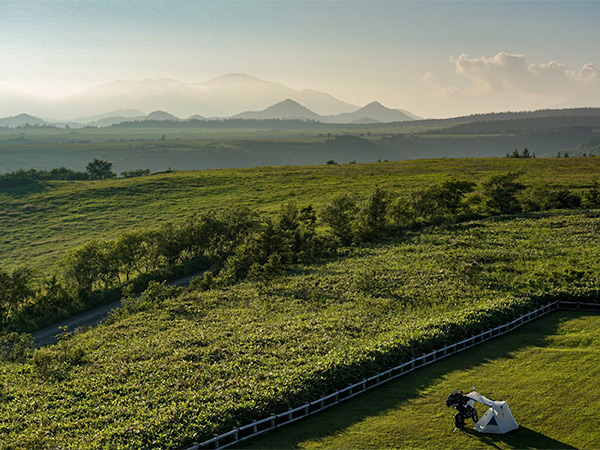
[372, 220]
[155, 295]
[15, 347]
[340, 215]
[15, 289]
[543, 198]
[500, 193]
[135, 173]
[592, 197]
[442, 203]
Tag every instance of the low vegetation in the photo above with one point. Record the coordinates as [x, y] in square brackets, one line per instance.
[534, 369]
[95, 170]
[239, 244]
[42, 222]
[173, 367]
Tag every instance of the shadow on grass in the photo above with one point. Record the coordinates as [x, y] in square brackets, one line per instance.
[521, 438]
[393, 395]
[21, 190]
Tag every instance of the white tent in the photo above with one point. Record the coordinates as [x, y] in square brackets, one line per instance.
[497, 419]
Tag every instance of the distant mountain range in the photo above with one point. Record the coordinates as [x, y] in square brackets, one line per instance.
[20, 120]
[373, 113]
[287, 109]
[223, 96]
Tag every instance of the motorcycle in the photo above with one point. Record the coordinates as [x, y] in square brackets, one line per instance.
[465, 408]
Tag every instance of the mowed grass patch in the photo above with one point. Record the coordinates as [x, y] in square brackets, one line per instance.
[547, 371]
[39, 224]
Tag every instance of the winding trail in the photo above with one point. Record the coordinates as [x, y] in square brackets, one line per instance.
[47, 336]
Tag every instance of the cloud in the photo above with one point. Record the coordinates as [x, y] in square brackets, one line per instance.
[510, 73]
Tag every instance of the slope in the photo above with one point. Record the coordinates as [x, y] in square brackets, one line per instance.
[533, 362]
[41, 223]
[175, 367]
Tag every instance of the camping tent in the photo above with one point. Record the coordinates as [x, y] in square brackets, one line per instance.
[497, 419]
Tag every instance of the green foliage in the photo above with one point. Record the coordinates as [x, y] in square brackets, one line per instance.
[98, 169]
[135, 173]
[54, 364]
[154, 296]
[340, 215]
[372, 220]
[15, 347]
[31, 177]
[242, 352]
[543, 198]
[56, 209]
[15, 288]
[526, 154]
[592, 197]
[500, 193]
[531, 362]
[442, 203]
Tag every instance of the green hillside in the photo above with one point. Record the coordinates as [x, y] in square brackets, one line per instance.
[40, 223]
[534, 369]
[174, 367]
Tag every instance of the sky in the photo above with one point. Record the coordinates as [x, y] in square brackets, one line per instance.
[435, 59]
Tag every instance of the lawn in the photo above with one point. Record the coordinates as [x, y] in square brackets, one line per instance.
[547, 371]
[39, 224]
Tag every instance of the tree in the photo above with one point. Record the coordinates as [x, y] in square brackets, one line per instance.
[98, 169]
[500, 193]
[443, 202]
[15, 288]
[592, 197]
[340, 215]
[373, 216]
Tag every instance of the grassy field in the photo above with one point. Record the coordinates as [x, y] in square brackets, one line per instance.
[547, 371]
[41, 223]
[175, 367]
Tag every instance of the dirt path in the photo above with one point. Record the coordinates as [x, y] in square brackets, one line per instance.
[47, 336]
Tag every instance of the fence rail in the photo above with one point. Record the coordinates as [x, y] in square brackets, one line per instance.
[259, 427]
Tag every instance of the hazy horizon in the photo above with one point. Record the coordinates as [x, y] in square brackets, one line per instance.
[434, 59]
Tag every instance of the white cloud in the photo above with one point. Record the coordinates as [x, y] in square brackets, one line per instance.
[511, 73]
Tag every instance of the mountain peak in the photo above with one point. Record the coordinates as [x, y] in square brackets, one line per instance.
[286, 109]
[161, 115]
[289, 102]
[21, 119]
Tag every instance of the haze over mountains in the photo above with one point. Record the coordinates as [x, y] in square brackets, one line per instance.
[374, 112]
[224, 96]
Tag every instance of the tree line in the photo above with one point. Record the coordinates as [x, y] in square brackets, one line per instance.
[96, 169]
[240, 244]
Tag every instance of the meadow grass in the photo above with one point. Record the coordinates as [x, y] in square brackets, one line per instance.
[40, 223]
[176, 367]
[547, 371]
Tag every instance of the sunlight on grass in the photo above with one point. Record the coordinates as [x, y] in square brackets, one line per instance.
[547, 372]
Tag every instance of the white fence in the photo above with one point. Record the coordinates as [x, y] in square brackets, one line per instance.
[257, 428]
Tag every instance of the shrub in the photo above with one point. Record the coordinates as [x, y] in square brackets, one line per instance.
[442, 203]
[15, 347]
[372, 220]
[543, 198]
[340, 215]
[500, 193]
[592, 197]
[135, 173]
